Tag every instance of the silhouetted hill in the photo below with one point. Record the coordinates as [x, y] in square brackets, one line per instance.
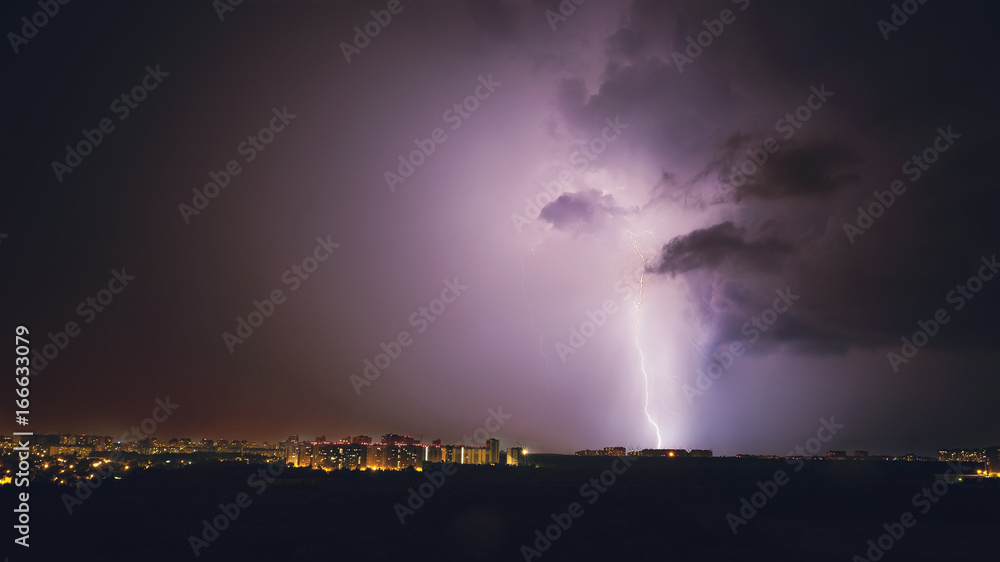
[656, 509]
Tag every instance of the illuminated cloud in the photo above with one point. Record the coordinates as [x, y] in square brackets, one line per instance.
[581, 212]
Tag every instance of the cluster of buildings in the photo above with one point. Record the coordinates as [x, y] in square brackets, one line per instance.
[620, 452]
[839, 455]
[393, 452]
[989, 457]
[69, 459]
[85, 445]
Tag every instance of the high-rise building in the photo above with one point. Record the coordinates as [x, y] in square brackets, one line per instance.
[433, 453]
[292, 450]
[77, 450]
[336, 456]
[475, 455]
[993, 461]
[305, 454]
[376, 456]
[355, 456]
[98, 442]
[394, 439]
[399, 457]
[493, 446]
[328, 456]
[515, 456]
[451, 453]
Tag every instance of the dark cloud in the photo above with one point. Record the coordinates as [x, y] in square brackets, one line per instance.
[890, 98]
[722, 243]
[860, 296]
[625, 43]
[583, 212]
[813, 170]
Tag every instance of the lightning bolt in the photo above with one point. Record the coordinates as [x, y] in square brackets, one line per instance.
[531, 317]
[696, 346]
[638, 345]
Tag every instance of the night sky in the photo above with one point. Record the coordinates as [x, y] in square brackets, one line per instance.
[697, 202]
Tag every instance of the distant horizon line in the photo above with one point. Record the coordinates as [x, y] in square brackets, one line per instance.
[915, 452]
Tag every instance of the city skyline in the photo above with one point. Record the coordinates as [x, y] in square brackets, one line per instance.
[197, 440]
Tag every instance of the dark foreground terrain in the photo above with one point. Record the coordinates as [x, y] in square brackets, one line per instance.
[656, 509]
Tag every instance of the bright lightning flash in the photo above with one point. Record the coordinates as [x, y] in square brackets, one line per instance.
[642, 356]
[531, 317]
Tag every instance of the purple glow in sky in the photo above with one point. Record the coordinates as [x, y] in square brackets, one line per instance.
[502, 187]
